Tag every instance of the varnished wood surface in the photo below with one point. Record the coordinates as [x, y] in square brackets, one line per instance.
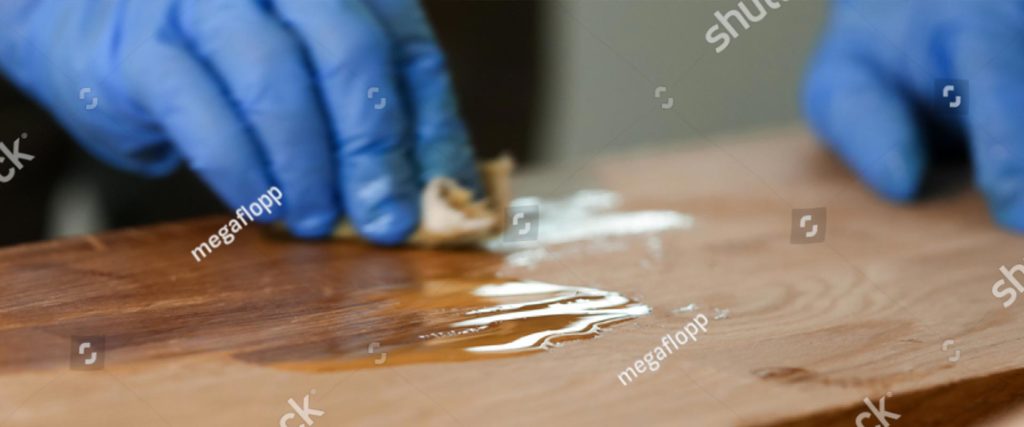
[812, 329]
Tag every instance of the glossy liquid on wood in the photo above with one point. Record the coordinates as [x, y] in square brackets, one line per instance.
[463, 319]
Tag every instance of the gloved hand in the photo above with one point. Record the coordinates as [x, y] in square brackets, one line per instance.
[345, 105]
[876, 93]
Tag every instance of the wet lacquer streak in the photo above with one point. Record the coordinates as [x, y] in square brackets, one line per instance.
[474, 319]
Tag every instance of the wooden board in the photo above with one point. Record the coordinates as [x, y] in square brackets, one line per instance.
[812, 330]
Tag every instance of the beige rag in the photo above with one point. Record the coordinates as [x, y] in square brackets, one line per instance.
[450, 217]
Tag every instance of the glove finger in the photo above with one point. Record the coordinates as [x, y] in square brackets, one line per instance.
[356, 73]
[261, 66]
[442, 143]
[173, 87]
[978, 54]
[866, 117]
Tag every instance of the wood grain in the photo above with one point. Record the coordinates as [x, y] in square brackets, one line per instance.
[812, 329]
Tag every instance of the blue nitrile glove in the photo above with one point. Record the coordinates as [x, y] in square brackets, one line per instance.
[345, 105]
[876, 93]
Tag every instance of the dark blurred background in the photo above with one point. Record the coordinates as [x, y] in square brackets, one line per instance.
[555, 83]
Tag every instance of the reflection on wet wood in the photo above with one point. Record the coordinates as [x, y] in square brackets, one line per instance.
[304, 306]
